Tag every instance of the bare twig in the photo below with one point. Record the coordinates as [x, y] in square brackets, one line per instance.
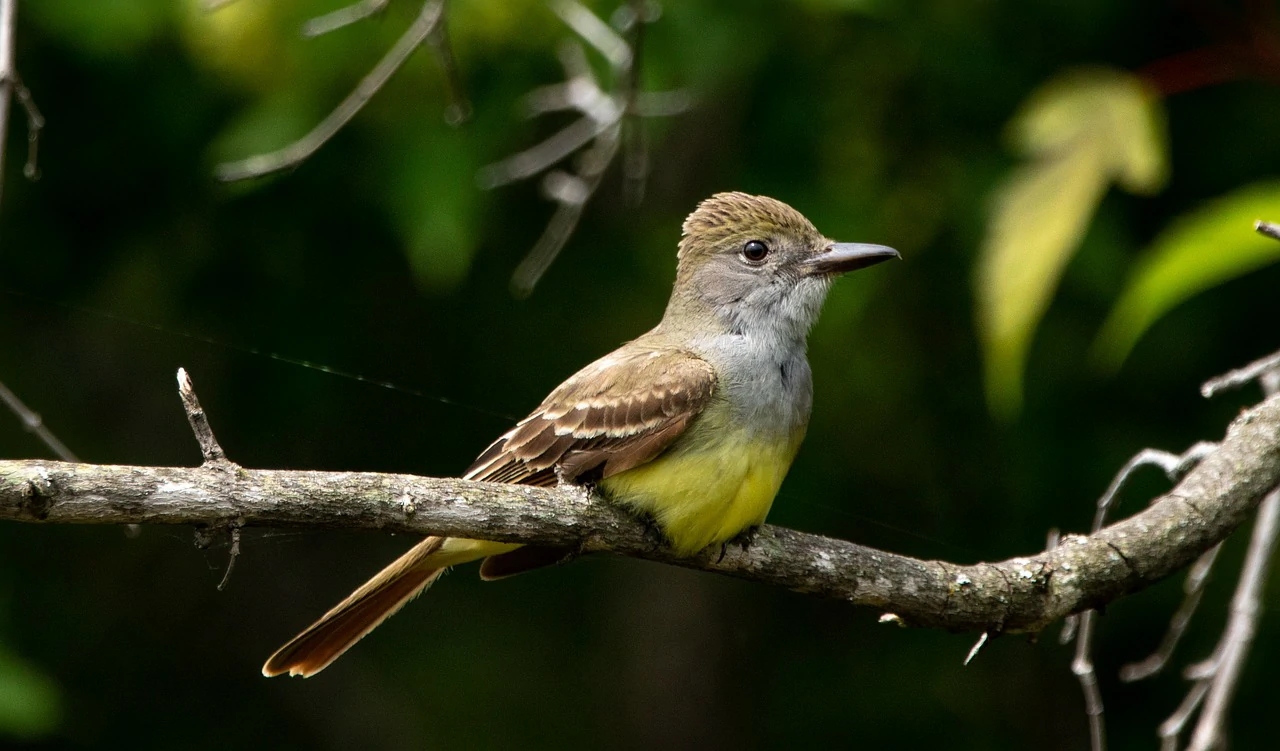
[571, 193]
[342, 17]
[1082, 626]
[538, 158]
[594, 32]
[609, 117]
[977, 647]
[1082, 666]
[1240, 376]
[33, 423]
[1171, 728]
[231, 561]
[1174, 466]
[209, 448]
[634, 18]
[1193, 590]
[1214, 679]
[459, 109]
[1222, 671]
[214, 458]
[1246, 611]
[35, 124]
[295, 153]
[1256, 369]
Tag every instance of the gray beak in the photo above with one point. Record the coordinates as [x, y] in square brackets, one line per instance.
[839, 258]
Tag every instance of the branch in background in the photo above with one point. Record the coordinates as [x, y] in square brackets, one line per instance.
[1081, 627]
[1214, 680]
[11, 88]
[429, 28]
[1216, 677]
[459, 109]
[1251, 373]
[1017, 595]
[609, 117]
[342, 17]
[1223, 669]
[1192, 591]
[33, 423]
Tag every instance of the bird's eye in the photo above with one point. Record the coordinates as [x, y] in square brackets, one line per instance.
[755, 252]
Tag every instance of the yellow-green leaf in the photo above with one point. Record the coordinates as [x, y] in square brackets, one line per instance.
[1081, 132]
[1114, 110]
[1202, 250]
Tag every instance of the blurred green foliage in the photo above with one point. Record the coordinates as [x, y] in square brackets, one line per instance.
[29, 705]
[1199, 251]
[880, 120]
[1082, 130]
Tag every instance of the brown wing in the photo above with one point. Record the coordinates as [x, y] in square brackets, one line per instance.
[617, 413]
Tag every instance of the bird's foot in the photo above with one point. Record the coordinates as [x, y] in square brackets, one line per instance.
[653, 533]
[746, 538]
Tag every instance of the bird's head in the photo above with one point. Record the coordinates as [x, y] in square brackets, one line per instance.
[760, 266]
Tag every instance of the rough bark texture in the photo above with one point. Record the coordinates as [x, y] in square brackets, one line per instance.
[1020, 594]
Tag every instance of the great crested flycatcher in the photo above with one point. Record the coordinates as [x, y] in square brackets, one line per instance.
[694, 423]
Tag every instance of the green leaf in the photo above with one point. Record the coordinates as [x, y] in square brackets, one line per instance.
[1082, 131]
[29, 702]
[1199, 251]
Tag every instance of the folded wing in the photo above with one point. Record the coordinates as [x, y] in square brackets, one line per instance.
[617, 413]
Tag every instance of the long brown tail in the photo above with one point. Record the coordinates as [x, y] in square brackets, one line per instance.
[376, 600]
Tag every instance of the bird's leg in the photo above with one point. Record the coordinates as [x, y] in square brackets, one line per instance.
[652, 532]
[747, 537]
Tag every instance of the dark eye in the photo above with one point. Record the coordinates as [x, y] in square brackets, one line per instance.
[755, 252]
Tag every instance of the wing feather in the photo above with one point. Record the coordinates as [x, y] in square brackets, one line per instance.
[617, 413]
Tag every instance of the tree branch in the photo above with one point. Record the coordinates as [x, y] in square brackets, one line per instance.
[1020, 594]
[290, 156]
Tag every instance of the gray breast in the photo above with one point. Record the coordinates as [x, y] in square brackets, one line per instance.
[768, 383]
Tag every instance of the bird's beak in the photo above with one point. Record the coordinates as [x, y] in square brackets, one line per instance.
[839, 258]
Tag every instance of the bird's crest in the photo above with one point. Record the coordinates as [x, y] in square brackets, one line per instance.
[729, 215]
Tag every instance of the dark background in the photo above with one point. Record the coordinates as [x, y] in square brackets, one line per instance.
[880, 120]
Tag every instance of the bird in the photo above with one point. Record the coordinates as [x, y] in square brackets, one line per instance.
[691, 425]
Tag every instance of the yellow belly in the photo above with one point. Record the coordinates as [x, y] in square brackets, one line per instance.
[709, 495]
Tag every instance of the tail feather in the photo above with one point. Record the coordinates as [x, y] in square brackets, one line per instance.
[362, 611]
[378, 599]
